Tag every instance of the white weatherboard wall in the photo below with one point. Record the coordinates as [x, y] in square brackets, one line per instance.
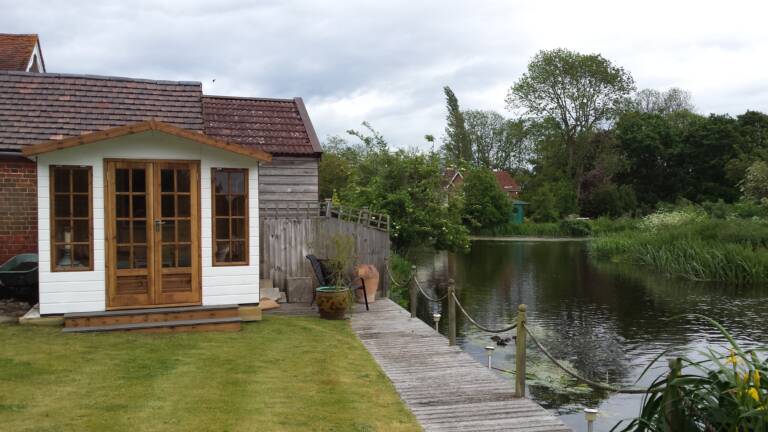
[63, 292]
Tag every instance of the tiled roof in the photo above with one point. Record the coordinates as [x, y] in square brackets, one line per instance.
[277, 126]
[16, 50]
[39, 107]
[505, 181]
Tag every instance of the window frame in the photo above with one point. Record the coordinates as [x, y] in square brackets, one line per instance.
[52, 218]
[246, 220]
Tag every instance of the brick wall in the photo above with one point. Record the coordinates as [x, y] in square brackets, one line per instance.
[18, 206]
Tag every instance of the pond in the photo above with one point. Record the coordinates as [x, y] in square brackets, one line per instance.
[607, 321]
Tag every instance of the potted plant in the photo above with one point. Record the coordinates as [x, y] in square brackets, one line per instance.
[334, 300]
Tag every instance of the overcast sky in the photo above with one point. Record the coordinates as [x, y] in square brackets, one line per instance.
[386, 61]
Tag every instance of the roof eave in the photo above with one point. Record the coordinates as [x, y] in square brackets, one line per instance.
[148, 125]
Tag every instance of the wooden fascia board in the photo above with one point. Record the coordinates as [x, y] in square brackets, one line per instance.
[55, 145]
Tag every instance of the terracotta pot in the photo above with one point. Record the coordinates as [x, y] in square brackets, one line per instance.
[370, 275]
[332, 302]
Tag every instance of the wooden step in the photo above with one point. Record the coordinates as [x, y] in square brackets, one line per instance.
[139, 316]
[193, 325]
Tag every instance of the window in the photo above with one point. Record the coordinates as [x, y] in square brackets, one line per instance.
[230, 216]
[71, 219]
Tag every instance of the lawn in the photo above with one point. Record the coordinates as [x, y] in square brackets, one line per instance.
[281, 374]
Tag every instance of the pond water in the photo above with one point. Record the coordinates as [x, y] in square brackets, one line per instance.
[607, 321]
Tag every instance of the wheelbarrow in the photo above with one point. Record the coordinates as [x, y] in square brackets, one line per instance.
[18, 277]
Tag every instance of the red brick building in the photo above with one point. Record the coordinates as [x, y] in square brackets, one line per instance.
[18, 180]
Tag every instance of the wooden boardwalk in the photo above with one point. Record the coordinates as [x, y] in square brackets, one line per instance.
[445, 388]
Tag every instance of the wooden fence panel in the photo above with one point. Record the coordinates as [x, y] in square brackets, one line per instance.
[287, 240]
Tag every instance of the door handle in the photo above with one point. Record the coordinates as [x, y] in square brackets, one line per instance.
[158, 224]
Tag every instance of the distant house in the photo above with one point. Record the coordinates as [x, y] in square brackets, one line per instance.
[140, 193]
[453, 178]
[21, 52]
[507, 184]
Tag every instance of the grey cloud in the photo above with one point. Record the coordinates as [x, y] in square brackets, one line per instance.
[344, 56]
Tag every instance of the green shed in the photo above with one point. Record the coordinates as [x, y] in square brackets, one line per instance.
[518, 211]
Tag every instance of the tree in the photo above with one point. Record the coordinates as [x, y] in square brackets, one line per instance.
[580, 92]
[662, 102]
[485, 205]
[335, 168]
[753, 144]
[458, 146]
[496, 142]
[403, 184]
[755, 184]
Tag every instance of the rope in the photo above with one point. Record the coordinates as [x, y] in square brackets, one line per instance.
[418, 285]
[593, 384]
[481, 327]
[428, 297]
[392, 278]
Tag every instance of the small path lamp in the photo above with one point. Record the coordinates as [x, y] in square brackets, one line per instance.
[489, 352]
[436, 319]
[591, 415]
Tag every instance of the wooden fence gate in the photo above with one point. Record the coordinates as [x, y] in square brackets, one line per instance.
[288, 234]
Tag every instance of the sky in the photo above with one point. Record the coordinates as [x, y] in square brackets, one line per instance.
[387, 61]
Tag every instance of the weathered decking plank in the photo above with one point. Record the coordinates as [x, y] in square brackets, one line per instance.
[445, 388]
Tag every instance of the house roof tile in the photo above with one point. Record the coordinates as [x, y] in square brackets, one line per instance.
[505, 181]
[16, 50]
[40, 107]
[277, 126]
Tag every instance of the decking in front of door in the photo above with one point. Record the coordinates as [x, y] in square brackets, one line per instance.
[156, 320]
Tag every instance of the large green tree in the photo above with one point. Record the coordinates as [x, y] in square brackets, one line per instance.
[486, 206]
[579, 92]
[496, 142]
[404, 184]
[457, 144]
[661, 102]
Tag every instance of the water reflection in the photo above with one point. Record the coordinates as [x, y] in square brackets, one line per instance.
[607, 321]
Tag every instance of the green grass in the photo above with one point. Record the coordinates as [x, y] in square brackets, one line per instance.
[281, 374]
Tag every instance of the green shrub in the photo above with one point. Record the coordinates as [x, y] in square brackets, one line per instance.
[604, 225]
[527, 229]
[725, 392]
[401, 272]
[576, 227]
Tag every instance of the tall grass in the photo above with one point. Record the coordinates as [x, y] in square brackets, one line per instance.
[695, 247]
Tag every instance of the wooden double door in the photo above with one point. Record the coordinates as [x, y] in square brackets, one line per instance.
[152, 228]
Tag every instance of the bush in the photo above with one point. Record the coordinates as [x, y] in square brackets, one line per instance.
[693, 245]
[527, 229]
[604, 225]
[486, 205]
[401, 272]
[724, 392]
[576, 228]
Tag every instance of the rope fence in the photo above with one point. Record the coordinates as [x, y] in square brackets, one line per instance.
[415, 288]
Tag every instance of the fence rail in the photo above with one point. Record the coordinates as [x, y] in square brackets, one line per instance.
[361, 216]
[522, 332]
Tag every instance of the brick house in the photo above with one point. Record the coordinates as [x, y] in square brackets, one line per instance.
[141, 193]
[18, 209]
[453, 178]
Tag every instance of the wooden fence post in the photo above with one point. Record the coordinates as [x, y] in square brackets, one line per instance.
[520, 353]
[451, 313]
[328, 204]
[413, 291]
